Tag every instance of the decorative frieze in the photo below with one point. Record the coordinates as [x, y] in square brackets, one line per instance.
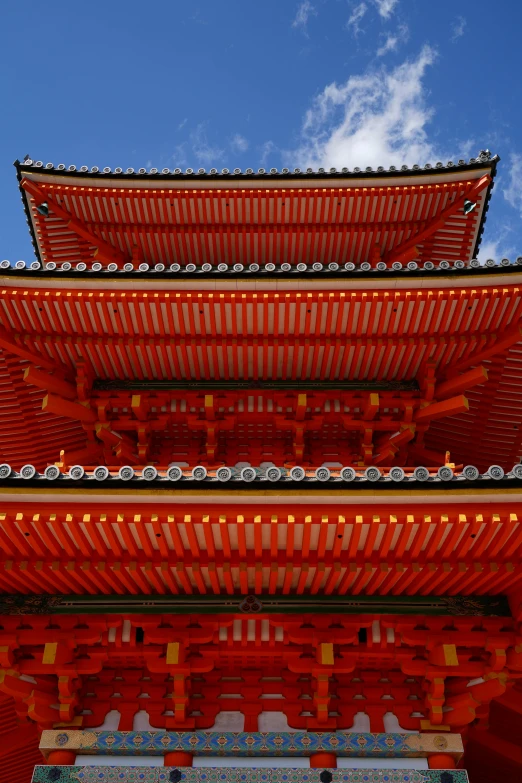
[76, 774]
[214, 743]
[452, 606]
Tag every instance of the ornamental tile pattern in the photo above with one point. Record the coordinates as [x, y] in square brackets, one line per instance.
[214, 743]
[76, 774]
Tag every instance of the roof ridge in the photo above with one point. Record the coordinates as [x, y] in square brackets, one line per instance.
[484, 156]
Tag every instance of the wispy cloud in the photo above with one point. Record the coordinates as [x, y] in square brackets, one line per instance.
[197, 18]
[458, 28]
[182, 123]
[393, 40]
[377, 119]
[356, 16]
[500, 247]
[266, 150]
[513, 191]
[385, 7]
[304, 11]
[238, 143]
[179, 156]
[504, 242]
[203, 151]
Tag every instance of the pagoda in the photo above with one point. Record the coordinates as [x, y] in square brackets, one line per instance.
[261, 487]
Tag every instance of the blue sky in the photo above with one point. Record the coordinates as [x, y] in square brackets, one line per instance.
[256, 83]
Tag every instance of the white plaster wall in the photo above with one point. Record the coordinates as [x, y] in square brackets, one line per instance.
[119, 761]
[227, 761]
[361, 723]
[141, 722]
[393, 763]
[111, 722]
[392, 726]
[277, 762]
[273, 721]
[229, 720]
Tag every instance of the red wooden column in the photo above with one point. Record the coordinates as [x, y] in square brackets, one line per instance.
[177, 758]
[61, 757]
[441, 761]
[323, 759]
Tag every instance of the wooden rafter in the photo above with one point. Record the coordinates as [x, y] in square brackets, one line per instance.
[256, 224]
[11, 344]
[296, 337]
[50, 382]
[460, 383]
[497, 344]
[473, 191]
[93, 544]
[103, 250]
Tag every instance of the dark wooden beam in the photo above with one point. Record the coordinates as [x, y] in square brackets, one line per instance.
[252, 385]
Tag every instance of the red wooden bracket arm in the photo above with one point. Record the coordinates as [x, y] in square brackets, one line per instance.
[104, 250]
[8, 343]
[437, 221]
[501, 342]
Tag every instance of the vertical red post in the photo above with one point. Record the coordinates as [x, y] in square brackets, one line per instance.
[323, 759]
[441, 761]
[61, 757]
[177, 758]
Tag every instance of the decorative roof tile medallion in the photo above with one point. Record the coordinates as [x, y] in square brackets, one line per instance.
[251, 604]
[314, 477]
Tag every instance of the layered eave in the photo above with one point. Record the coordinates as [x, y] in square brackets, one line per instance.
[181, 543]
[295, 217]
[174, 510]
[297, 363]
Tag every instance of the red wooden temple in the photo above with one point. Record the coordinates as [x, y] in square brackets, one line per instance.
[261, 480]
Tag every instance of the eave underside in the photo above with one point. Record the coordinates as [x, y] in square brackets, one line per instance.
[206, 548]
[416, 217]
[79, 336]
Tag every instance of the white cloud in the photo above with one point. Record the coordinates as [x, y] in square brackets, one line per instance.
[390, 45]
[357, 14]
[385, 7]
[505, 243]
[179, 156]
[377, 119]
[182, 123]
[513, 191]
[266, 150]
[392, 41]
[458, 28]
[238, 143]
[304, 12]
[500, 247]
[489, 249]
[197, 18]
[204, 152]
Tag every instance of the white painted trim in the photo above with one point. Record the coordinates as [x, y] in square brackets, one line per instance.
[266, 498]
[261, 182]
[410, 282]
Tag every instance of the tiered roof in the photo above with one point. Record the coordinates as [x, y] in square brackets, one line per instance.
[235, 394]
[297, 385]
[284, 317]
[164, 341]
[430, 214]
